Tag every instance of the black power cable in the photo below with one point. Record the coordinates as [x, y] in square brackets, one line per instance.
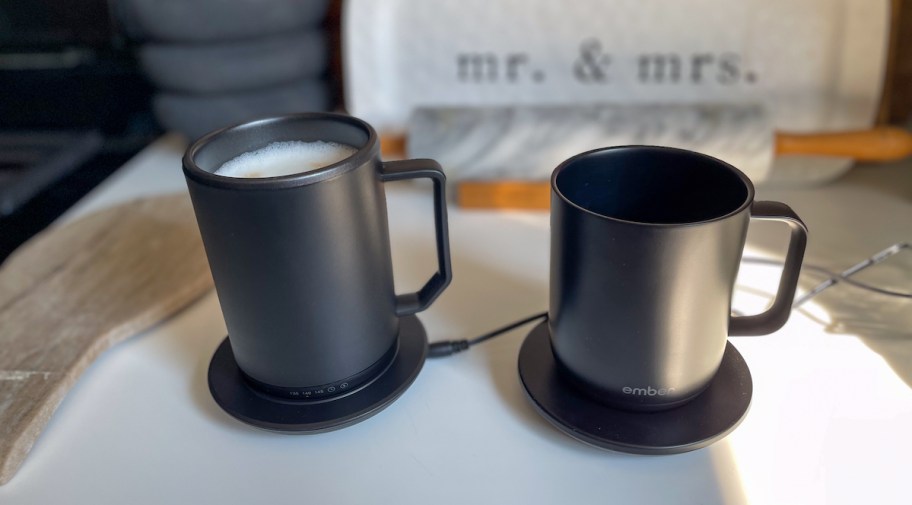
[448, 347]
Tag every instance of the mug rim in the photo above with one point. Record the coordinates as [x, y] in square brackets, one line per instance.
[749, 186]
[362, 155]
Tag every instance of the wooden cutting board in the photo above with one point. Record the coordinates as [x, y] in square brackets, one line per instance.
[79, 288]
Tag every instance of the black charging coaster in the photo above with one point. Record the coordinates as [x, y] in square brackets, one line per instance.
[710, 416]
[239, 399]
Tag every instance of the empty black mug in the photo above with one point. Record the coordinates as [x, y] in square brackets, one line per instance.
[302, 262]
[645, 248]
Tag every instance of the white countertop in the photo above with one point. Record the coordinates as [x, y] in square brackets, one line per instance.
[831, 419]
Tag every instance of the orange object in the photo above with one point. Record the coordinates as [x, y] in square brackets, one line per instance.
[884, 143]
[392, 146]
[520, 195]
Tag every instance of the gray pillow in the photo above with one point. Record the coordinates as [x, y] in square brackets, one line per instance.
[235, 66]
[214, 20]
[196, 115]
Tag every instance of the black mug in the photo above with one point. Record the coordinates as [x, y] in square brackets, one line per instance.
[645, 248]
[302, 262]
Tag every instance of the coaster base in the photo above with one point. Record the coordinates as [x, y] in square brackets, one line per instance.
[242, 401]
[710, 416]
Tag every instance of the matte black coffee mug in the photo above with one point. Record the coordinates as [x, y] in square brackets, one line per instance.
[302, 263]
[645, 248]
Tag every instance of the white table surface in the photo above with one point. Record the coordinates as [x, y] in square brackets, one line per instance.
[831, 419]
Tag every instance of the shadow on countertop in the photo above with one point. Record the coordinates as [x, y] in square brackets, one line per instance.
[845, 229]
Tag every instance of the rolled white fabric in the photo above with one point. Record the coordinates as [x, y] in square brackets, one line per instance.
[528, 142]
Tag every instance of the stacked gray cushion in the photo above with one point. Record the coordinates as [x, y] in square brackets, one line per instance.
[215, 20]
[222, 62]
[236, 65]
[195, 115]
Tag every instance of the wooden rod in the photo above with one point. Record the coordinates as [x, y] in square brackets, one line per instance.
[884, 143]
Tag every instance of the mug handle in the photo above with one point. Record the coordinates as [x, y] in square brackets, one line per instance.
[776, 316]
[411, 303]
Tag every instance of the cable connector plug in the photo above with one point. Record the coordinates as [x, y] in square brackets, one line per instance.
[449, 347]
[446, 348]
